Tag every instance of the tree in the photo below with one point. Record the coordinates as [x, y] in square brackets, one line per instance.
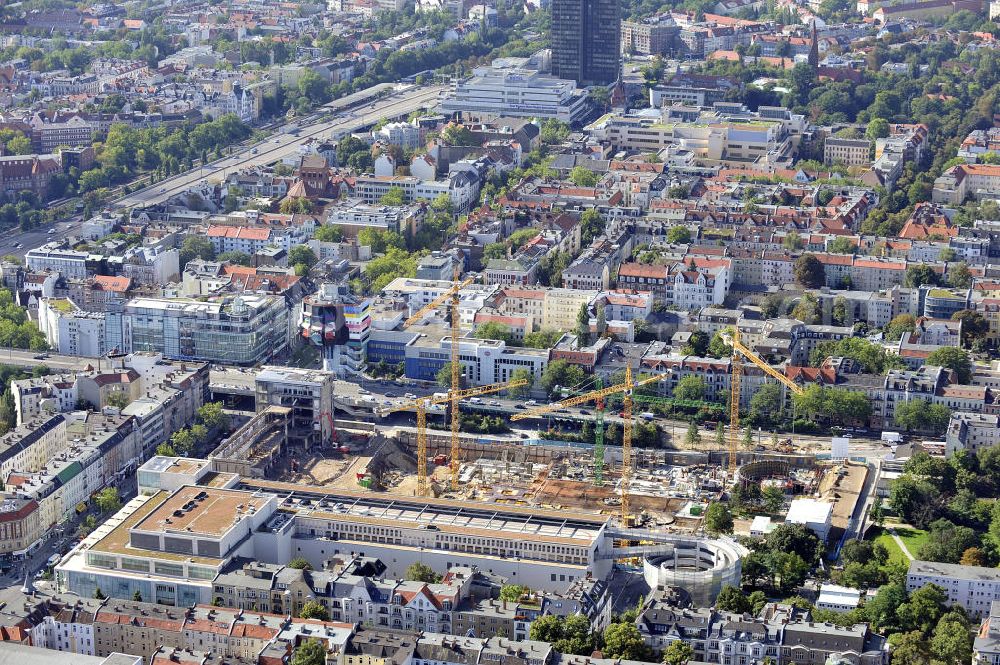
[878, 128]
[718, 348]
[494, 250]
[395, 197]
[542, 339]
[592, 225]
[960, 276]
[913, 499]
[792, 241]
[795, 538]
[561, 373]
[309, 652]
[572, 635]
[421, 572]
[119, 399]
[301, 255]
[693, 437]
[954, 359]
[922, 416]
[443, 376]
[213, 415]
[973, 556]
[679, 235]
[697, 344]
[583, 325]
[807, 309]
[974, 325]
[166, 450]
[910, 648]
[581, 176]
[195, 247]
[678, 652]
[900, 325]
[520, 392]
[98, 594]
[137, 596]
[774, 499]
[623, 640]
[497, 331]
[720, 435]
[951, 643]
[718, 519]
[300, 563]
[809, 272]
[824, 404]
[107, 500]
[766, 404]
[691, 388]
[313, 610]
[731, 599]
[920, 274]
[183, 441]
[329, 233]
[841, 245]
[512, 593]
[236, 258]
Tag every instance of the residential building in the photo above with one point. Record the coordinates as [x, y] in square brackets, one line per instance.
[848, 152]
[972, 432]
[973, 588]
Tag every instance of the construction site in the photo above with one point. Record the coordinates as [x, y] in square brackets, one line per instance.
[651, 488]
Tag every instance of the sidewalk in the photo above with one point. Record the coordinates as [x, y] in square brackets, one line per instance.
[901, 544]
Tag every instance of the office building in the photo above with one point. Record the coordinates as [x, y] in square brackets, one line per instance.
[507, 88]
[244, 330]
[586, 41]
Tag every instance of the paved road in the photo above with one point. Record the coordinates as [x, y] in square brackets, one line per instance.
[286, 145]
[22, 358]
[18, 242]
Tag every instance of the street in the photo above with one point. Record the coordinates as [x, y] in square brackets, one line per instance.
[284, 145]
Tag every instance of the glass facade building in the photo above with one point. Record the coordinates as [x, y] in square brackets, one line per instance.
[586, 41]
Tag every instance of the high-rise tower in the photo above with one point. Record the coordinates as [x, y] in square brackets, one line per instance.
[586, 41]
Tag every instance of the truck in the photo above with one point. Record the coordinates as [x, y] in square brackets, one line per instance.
[647, 416]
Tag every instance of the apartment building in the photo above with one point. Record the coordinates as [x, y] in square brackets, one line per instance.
[461, 187]
[779, 633]
[848, 152]
[972, 432]
[652, 36]
[641, 277]
[52, 256]
[986, 646]
[94, 453]
[353, 215]
[973, 588]
[964, 181]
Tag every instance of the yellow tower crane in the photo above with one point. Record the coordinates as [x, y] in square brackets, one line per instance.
[733, 339]
[625, 389]
[421, 407]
